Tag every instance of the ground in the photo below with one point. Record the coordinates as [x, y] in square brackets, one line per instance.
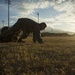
[55, 57]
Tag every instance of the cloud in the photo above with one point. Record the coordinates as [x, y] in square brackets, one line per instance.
[27, 8]
[64, 11]
[67, 17]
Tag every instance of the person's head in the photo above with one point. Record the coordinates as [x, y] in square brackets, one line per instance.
[42, 26]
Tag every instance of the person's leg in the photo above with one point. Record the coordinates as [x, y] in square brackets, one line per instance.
[23, 36]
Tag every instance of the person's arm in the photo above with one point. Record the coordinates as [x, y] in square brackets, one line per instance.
[36, 35]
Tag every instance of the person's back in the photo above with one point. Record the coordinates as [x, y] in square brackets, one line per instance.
[24, 24]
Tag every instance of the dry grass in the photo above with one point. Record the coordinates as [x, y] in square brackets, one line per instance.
[55, 57]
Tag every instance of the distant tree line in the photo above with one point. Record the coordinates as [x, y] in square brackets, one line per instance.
[54, 34]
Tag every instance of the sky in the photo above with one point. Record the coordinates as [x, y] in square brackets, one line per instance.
[58, 14]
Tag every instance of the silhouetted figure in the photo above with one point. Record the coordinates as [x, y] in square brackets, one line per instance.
[27, 26]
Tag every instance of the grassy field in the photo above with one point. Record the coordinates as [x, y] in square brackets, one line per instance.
[55, 57]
